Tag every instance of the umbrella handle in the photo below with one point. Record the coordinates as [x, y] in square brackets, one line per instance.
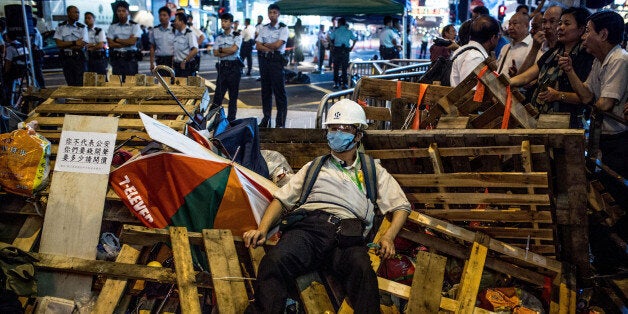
[165, 85]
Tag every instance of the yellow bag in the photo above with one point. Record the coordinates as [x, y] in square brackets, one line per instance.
[24, 162]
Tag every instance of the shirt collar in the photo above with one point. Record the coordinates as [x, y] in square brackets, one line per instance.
[128, 22]
[526, 41]
[479, 46]
[351, 166]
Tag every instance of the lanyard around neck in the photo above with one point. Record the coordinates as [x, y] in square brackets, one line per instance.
[355, 177]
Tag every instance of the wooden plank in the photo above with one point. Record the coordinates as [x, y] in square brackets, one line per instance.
[491, 215]
[223, 264]
[553, 121]
[437, 165]
[106, 108]
[474, 179]
[377, 113]
[128, 92]
[74, 214]
[450, 151]
[453, 123]
[427, 283]
[29, 233]
[59, 263]
[495, 245]
[113, 289]
[188, 294]
[526, 161]
[516, 233]
[256, 257]
[471, 276]
[386, 90]
[479, 198]
[313, 294]
[123, 123]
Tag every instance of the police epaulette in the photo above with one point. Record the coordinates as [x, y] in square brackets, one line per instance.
[63, 23]
[187, 30]
[98, 30]
[156, 26]
[80, 25]
[281, 25]
[236, 33]
[132, 22]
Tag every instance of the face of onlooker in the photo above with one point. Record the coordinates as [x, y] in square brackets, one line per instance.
[164, 18]
[568, 30]
[122, 13]
[536, 24]
[592, 40]
[518, 27]
[451, 34]
[550, 22]
[273, 15]
[73, 14]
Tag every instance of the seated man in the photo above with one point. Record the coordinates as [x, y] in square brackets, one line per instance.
[338, 196]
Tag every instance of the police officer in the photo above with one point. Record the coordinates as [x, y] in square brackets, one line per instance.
[15, 62]
[389, 42]
[227, 50]
[341, 38]
[162, 40]
[96, 57]
[271, 44]
[185, 47]
[71, 38]
[246, 51]
[122, 38]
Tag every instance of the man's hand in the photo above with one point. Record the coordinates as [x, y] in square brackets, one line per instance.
[182, 65]
[387, 248]
[80, 42]
[152, 66]
[538, 38]
[564, 62]
[255, 238]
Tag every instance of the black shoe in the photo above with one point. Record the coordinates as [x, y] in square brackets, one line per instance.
[336, 86]
[265, 123]
[344, 86]
[248, 73]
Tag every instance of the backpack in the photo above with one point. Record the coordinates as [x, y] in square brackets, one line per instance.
[370, 183]
[440, 70]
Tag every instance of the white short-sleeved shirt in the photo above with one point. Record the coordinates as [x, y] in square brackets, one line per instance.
[271, 34]
[93, 38]
[335, 192]
[248, 33]
[163, 40]
[125, 31]
[466, 62]
[225, 41]
[517, 52]
[183, 43]
[71, 32]
[386, 37]
[14, 51]
[610, 79]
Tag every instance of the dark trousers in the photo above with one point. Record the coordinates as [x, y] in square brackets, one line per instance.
[341, 62]
[190, 68]
[614, 151]
[124, 65]
[273, 83]
[311, 245]
[321, 55]
[38, 61]
[246, 53]
[97, 65]
[388, 53]
[228, 80]
[73, 69]
[164, 60]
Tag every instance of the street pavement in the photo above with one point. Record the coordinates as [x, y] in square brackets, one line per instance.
[303, 99]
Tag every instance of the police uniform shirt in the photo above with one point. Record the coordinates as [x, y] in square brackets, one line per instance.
[387, 36]
[335, 191]
[38, 41]
[183, 43]
[14, 51]
[93, 38]
[124, 31]
[163, 40]
[270, 34]
[342, 36]
[248, 33]
[226, 41]
[71, 32]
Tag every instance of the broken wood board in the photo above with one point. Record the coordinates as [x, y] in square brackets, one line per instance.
[74, 213]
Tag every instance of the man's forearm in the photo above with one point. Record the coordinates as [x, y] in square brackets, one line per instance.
[583, 92]
[529, 60]
[398, 220]
[272, 214]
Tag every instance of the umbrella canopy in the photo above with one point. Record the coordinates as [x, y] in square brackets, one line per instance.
[165, 189]
[341, 8]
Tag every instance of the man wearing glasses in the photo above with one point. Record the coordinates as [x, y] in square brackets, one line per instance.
[337, 197]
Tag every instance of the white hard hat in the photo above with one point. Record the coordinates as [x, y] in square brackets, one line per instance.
[346, 111]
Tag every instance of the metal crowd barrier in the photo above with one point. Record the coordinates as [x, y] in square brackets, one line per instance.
[331, 98]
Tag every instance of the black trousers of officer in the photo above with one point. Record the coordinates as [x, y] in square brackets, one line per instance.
[97, 62]
[246, 52]
[164, 60]
[73, 67]
[124, 64]
[38, 61]
[321, 55]
[189, 70]
[311, 245]
[228, 80]
[273, 82]
[341, 62]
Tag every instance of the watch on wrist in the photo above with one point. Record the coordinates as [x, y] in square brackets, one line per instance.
[220, 49]
[563, 96]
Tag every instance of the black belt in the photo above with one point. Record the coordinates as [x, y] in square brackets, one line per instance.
[164, 57]
[73, 53]
[229, 62]
[96, 54]
[330, 218]
[123, 54]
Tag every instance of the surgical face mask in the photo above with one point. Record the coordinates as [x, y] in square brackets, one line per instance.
[340, 141]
